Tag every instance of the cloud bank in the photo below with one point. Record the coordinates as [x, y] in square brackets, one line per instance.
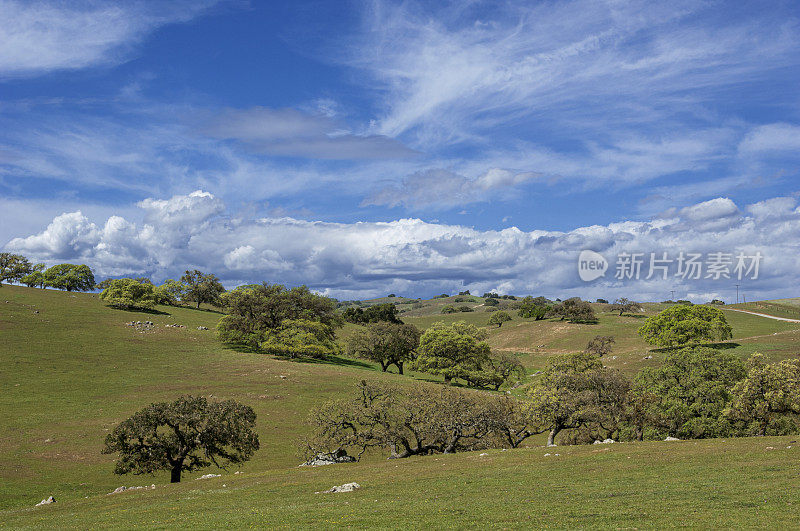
[413, 257]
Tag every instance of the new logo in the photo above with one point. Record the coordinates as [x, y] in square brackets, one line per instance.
[591, 265]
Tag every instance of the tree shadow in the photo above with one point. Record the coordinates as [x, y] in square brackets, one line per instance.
[635, 316]
[718, 346]
[332, 360]
[151, 311]
[207, 310]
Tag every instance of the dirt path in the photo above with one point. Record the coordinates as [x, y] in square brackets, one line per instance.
[765, 315]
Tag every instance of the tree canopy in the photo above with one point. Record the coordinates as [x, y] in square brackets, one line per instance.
[385, 343]
[575, 391]
[128, 293]
[416, 420]
[684, 324]
[70, 277]
[182, 436]
[379, 312]
[574, 310]
[767, 400]
[13, 267]
[499, 318]
[452, 350]
[202, 288]
[689, 392]
[623, 305]
[272, 318]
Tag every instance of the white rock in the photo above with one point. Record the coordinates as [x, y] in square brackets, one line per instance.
[209, 476]
[347, 487]
[481, 455]
[46, 501]
[672, 439]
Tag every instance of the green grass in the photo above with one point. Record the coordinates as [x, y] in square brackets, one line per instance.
[74, 369]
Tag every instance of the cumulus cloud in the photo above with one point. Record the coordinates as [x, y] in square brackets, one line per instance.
[43, 36]
[289, 132]
[444, 188]
[418, 258]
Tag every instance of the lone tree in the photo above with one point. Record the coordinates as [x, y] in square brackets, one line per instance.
[70, 277]
[185, 435]
[600, 345]
[684, 324]
[387, 343]
[574, 310]
[767, 401]
[452, 351]
[623, 305]
[202, 288]
[128, 293]
[499, 318]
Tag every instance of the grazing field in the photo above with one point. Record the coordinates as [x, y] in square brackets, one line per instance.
[71, 368]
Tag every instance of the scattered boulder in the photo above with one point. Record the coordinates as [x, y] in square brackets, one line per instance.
[202, 328]
[648, 357]
[46, 501]
[124, 488]
[339, 456]
[672, 439]
[347, 487]
[605, 441]
[209, 476]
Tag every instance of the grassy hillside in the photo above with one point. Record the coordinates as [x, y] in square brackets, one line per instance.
[70, 369]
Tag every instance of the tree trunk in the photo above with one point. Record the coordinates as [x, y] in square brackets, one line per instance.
[639, 433]
[399, 366]
[176, 473]
[384, 366]
[551, 437]
[198, 305]
[448, 380]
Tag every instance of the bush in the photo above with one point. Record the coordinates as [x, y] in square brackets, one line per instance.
[128, 293]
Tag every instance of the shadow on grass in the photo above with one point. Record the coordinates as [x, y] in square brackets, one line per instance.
[150, 311]
[330, 360]
[207, 310]
[718, 346]
[635, 316]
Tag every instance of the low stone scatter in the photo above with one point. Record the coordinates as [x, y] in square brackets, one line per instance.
[124, 488]
[347, 487]
[173, 326]
[340, 456]
[605, 441]
[141, 326]
[672, 439]
[46, 501]
[202, 328]
[209, 476]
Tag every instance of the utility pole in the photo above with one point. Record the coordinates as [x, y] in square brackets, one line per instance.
[673, 294]
[737, 293]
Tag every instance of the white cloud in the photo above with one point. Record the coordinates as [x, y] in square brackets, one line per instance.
[776, 137]
[613, 65]
[41, 36]
[419, 258]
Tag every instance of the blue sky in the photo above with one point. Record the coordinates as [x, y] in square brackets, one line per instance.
[367, 147]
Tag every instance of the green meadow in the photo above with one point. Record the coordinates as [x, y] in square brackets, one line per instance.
[71, 369]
